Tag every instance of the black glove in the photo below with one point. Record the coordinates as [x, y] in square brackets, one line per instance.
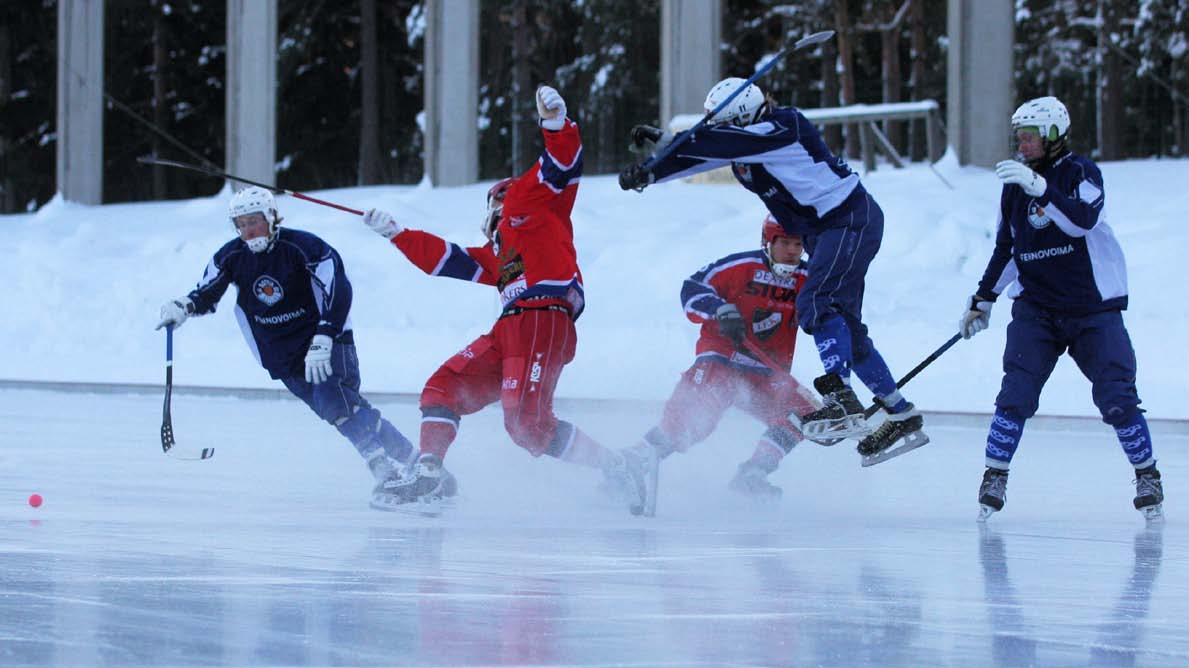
[642, 134]
[635, 177]
[730, 323]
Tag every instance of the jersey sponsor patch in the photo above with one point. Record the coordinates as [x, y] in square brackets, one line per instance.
[742, 171]
[268, 290]
[1037, 217]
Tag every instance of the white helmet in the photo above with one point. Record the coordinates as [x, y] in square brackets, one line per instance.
[255, 199]
[1046, 114]
[745, 109]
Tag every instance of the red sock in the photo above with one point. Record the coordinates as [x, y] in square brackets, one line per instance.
[436, 436]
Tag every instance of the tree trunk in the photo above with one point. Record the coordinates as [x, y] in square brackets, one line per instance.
[917, 129]
[892, 88]
[1110, 88]
[370, 167]
[522, 89]
[847, 73]
[832, 133]
[160, 104]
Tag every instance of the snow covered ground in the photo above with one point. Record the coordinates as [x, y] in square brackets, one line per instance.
[267, 554]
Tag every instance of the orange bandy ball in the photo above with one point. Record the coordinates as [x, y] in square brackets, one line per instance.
[35, 500]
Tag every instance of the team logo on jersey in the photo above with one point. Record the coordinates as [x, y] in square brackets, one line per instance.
[742, 171]
[764, 323]
[268, 290]
[1036, 215]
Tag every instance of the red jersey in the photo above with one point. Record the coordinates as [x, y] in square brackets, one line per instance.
[531, 257]
[766, 302]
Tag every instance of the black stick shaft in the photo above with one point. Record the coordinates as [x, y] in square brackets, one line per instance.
[150, 160]
[874, 408]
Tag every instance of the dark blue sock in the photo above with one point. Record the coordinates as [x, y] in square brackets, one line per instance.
[1136, 440]
[874, 373]
[833, 346]
[1003, 438]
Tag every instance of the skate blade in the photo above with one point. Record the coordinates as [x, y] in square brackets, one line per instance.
[984, 512]
[425, 507]
[851, 426]
[1154, 514]
[825, 442]
[907, 444]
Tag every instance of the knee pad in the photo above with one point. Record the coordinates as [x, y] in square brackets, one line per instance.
[1117, 416]
[562, 435]
[361, 427]
[441, 413]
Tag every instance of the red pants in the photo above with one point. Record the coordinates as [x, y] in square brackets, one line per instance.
[709, 388]
[518, 362]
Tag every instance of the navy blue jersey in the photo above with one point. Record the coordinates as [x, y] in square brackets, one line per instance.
[286, 295]
[1058, 248]
[783, 159]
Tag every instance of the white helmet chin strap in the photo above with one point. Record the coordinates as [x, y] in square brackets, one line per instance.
[781, 270]
[259, 244]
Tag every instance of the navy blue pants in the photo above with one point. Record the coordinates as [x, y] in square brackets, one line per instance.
[1098, 343]
[838, 262]
[337, 401]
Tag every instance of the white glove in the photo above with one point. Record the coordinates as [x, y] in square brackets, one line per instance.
[551, 108]
[1010, 171]
[175, 312]
[318, 366]
[976, 318]
[382, 223]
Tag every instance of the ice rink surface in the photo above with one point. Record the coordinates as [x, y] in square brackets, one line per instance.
[268, 554]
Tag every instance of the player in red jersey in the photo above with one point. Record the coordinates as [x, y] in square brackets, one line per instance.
[741, 299]
[530, 259]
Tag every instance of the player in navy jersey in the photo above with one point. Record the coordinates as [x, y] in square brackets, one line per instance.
[530, 259]
[780, 156]
[293, 305]
[1067, 275]
[743, 296]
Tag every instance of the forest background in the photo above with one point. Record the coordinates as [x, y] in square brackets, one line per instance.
[350, 87]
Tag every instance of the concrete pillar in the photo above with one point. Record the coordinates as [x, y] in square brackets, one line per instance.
[80, 100]
[691, 31]
[452, 92]
[981, 96]
[251, 93]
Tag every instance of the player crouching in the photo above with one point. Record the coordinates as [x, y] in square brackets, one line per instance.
[746, 304]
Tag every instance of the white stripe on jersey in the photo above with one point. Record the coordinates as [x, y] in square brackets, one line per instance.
[810, 183]
[1067, 226]
[1106, 260]
[324, 294]
[1088, 192]
[246, 330]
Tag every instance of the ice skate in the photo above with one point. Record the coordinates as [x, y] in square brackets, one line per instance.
[423, 488]
[992, 493]
[900, 433]
[632, 479]
[841, 415]
[1149, 494]
[751, 481]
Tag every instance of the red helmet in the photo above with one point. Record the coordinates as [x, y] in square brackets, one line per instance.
[495, 205]
[771, 231]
